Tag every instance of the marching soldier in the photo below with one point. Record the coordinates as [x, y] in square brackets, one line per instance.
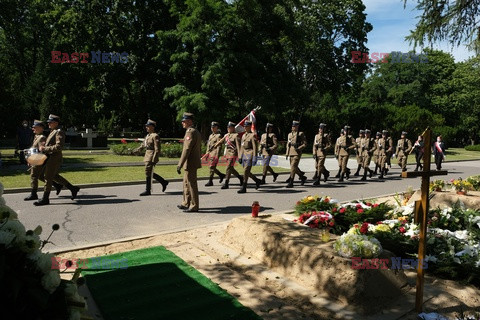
[36, 171]
[320, 144]
[358, 152]
[152, 153]
[295, 145]
[268, 145]
[336, 153]
[404, 147]
[190, 162]
[232, 146]
[248, 156]
[345, 143]
[376, 153]
[385, 145]
[53, 149]
[213, 154]
[368, 147]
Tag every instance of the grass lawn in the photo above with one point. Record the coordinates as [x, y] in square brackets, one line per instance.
[21, 178]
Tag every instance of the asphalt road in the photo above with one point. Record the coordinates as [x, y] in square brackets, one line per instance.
[107, 214]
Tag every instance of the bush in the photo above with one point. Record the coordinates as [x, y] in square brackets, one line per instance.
[475, 147]
[171, 150]
[125, 149]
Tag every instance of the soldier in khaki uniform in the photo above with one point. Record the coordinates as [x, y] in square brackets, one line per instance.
[344, 144]
[385, 146]
[367, 148]
[248, 156]
[376, 153]
[213, 154]
[268, 145]
[190, 162]
[295, 145]
[358, 152]
[404, 147]
[320, 144]
[232, 147]
[152, 145]
[36, 171]
[53, 149]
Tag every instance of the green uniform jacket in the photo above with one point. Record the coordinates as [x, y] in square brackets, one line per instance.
[296, 143]
[212, 140]
[54, 146]
[321, 142]
[192, 150]
[249, 146]
[268, 144]
[152, 146]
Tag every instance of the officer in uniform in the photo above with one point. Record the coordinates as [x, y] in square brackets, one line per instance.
[232, 147]
[36, 171]
[152, 145]
[404, 147]
[190, 162]
[385, 146]
[320, 144]
[367, 148]
[248, 156]
[53, 149]
[344, 144]
[213, 154]
[268, 145]
[295, 145]
[335, 151]
[358, 152]
[376, 153]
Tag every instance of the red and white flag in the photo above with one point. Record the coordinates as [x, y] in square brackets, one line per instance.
[239, 128]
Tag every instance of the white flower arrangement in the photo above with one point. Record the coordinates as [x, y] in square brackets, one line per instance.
[355, 245]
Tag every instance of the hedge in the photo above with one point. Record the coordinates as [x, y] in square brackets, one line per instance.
[475, 147]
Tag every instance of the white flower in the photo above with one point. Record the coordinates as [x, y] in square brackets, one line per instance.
[34, 256]
[17, 228]
[6, 238]
[44, 262]
[51, 280]
[408, 210]
[6, 210]
[456, 260]
[31, 243]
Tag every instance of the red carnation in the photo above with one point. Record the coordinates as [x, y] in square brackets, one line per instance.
[331, 223]
[404, 221]
[401, 229]
[379, 222]
[360, 211]
[123, 141]
[369, 204]
[342, 210]
[334, 209]
[375, 205]
[358, 205]
[364, 228]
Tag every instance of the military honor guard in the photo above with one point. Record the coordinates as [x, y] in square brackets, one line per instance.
[213, 154]
[151, 144]
[404, 147]
[335, 152]
[248, 156]
[232, 148]
[439, 152]
[385, 146]
[418, 149]
[320, 144]
[53, 147]
[367, 148]
[376, 153]
[358, 152]
[295, 145]
[36, 170]
[344, 144]
[190, 162]
[268, 145]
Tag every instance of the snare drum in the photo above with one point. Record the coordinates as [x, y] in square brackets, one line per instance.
[34, 157]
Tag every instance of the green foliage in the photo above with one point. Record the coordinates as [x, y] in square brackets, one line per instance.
[171, 150]
[125, 148]
[475, 147]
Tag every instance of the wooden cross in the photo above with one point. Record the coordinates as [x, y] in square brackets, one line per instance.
[421, 211]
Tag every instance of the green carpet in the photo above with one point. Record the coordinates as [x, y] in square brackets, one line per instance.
[158, 285]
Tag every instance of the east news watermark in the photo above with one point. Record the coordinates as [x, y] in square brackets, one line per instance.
[92, 57]
[382, 57]
[394, 263]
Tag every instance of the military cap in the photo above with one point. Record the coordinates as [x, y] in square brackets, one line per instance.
[214, 124]
[362, 131]
[230, 124]
[248, 123]
[404, 133]
[322, 125]
[379, 133]
[295, 123]
[347, 127]
[38, 123]
[151, 123]
[269, 125]
[384, 131]
[53, 117]
[187, 116]
[368, 131]
[342, 131]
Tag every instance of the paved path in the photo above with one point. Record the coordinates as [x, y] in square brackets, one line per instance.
[111, 213]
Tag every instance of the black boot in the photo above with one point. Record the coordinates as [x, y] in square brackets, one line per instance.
[381, 174]
[341, 177]
[210, 182]
[370, 172]
[44, 201]
[348, 173]
[243, 189]
[364, 177]
[58, 187]
[326, 174]
[303, 179]
[338, 173]
[74, 190]
[221, 176]
[148, 187]
[33, 196]
[263, 179]
[357, 173]
[288, 180]
[290, 184]
[225, 185]
[275, 175]
[241, 180]
[162, 181]
[315, 176]
[317, 181]
[376, 168]
[258, 182]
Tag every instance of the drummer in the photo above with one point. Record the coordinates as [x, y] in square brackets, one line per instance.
[36, 171]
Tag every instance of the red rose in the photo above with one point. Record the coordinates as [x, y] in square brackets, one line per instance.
[364, 228]
[358, 205]
[331, 223]
[401, 229]
[368, 204]
[342, 210]
[123, 141]
[404, 221]
[360, 211]
[334, 209]
[375, 205]
[326, 200]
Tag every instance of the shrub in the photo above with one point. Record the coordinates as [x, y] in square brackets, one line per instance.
[126, 148]
[475, 147]
[171, 150]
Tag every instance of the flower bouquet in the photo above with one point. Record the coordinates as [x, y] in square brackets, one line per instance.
[461, 186]
[314, 203]
[437, 185]
[356, 245]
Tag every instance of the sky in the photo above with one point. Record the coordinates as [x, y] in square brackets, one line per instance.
[392, 23]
